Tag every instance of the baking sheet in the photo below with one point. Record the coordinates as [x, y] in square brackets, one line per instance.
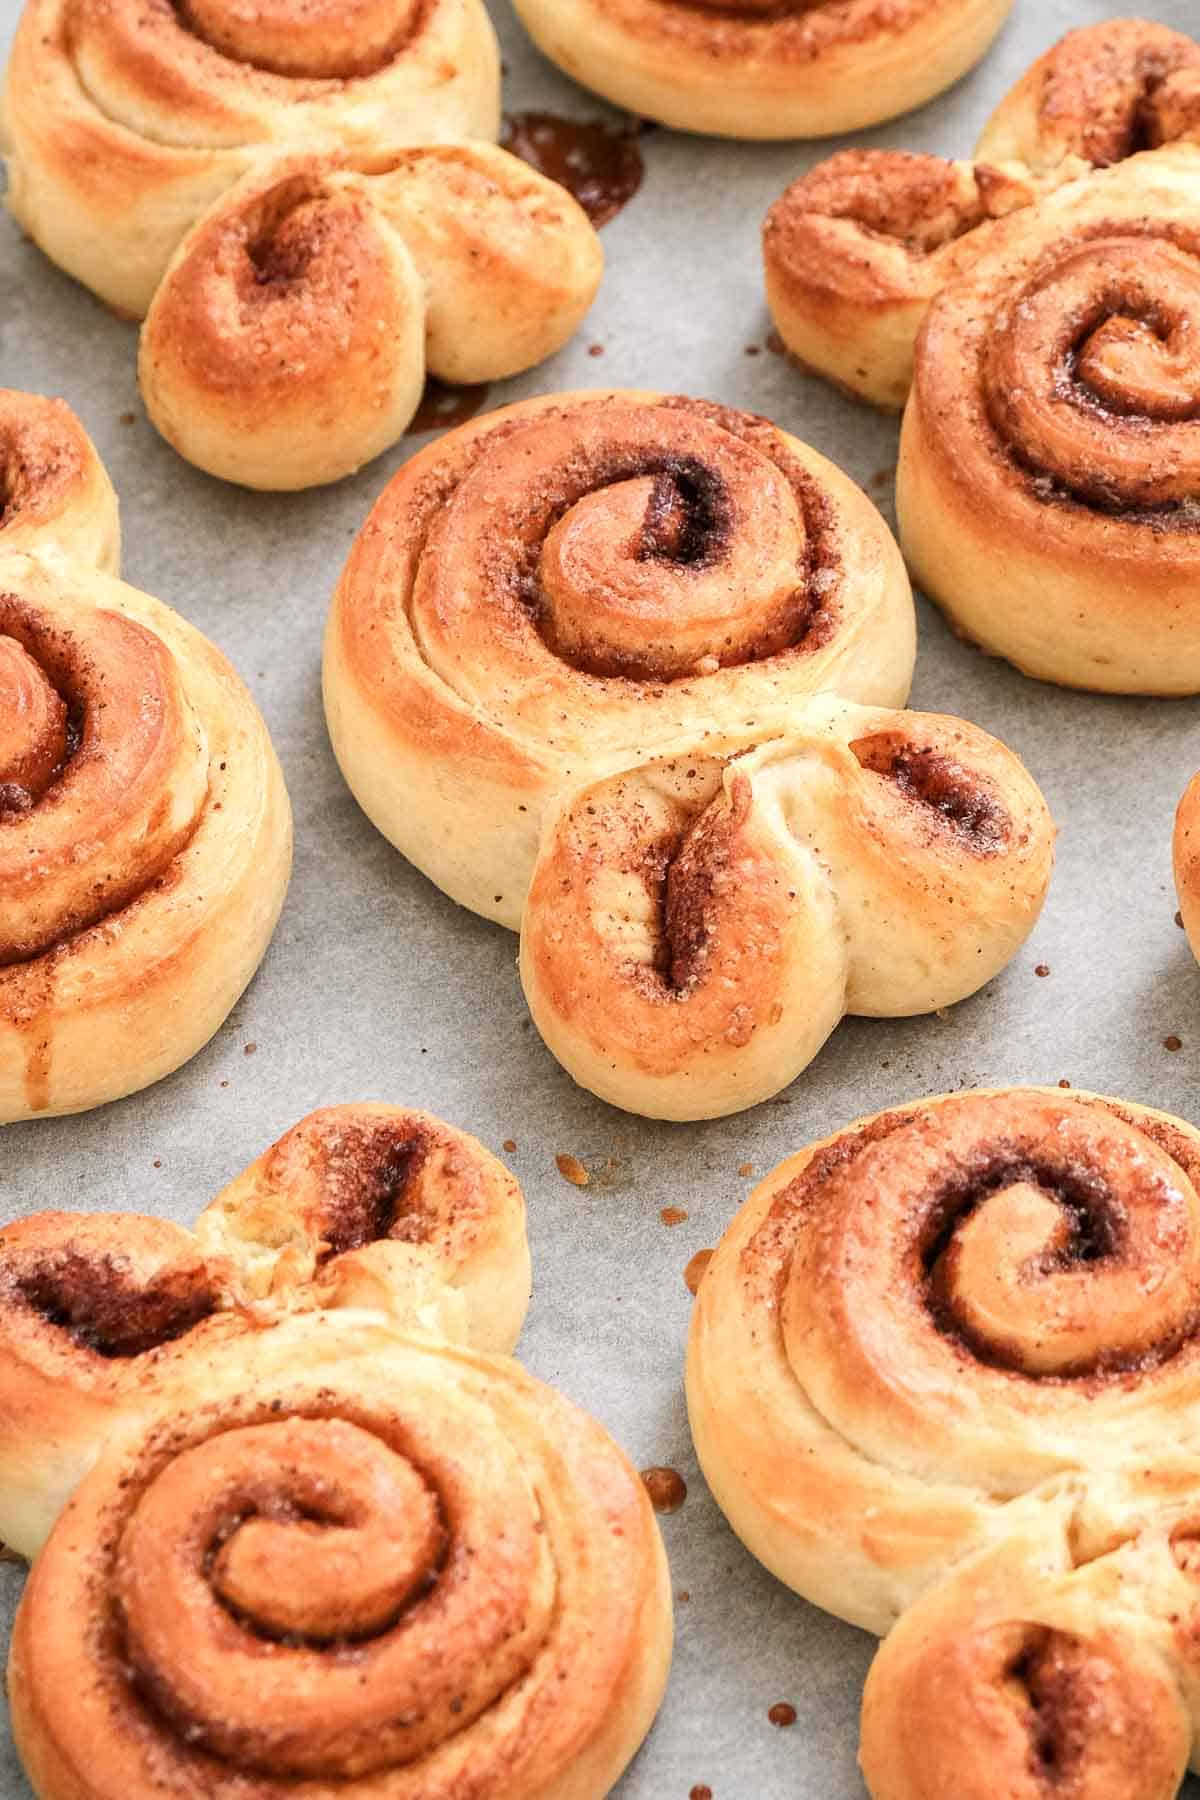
[378, 988]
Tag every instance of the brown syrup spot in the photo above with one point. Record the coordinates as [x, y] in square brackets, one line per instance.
[599, 164]
[572, 1170]
[595, 349]
[443, 407]
[99, 1303]
[745, 1169]
[782, 1715]
[666, 1487]
[700, 1792]
[1179, 920]
[1064, 1083]
[510, 1145]
[249, 1049]
[1043, 969]
[1172, 1042]
[673, 1215]
[693, 1275]
[128, 418]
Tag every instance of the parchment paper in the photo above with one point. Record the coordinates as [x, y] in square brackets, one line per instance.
[377, 987]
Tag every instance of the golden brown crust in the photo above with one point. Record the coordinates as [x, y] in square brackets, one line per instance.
[54, 490]
[357, 1207]
[289, 340]
[1054, 412]
[483, 1611]
[938, 1323]
[127, 120]
[145, 778]
[766, 70]
[856, 250]
[1187, 862]
[696, 928]
[470, 674]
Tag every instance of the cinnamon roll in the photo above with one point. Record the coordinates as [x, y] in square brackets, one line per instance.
[1049, 482]
[352, 1563]
[290, 339]
[581, 583]
[125, 119]
[55, 494]
[363, 1209]
[759, 69]
[697, 927]
[1187, 862]
[145, 838]
[948, 1361]
[856, 249]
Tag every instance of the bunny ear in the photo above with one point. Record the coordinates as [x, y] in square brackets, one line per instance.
[55, 494]
[695, 929]
[1100, 94]
[94, 1308]
[381, 1207]
[681, 956]
[285, 346]
[855, 251]
[351, 1559]
[1018, 1676]
[509, 261]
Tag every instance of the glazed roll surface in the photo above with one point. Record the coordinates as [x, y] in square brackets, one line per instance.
[369, 1209]
[698, 926]
[762, 70]
[126, 121]
[353, 1563]
[579, 583]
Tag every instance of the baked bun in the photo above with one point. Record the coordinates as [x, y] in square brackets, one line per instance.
[126, 119]
[1049, 482]
[757, 69]
[367, 1208]
[957, 1344]
[290, 339]
[456, 1573]
[1187, 862]
[55, 494]
[137, 769]
[697, 927]
[856, 249]
[584, 582]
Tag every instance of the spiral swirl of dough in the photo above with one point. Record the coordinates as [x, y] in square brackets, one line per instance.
[759, 69]
[126, 119]
[937, 1314]
[576, 584]
[1055, 412]
[944, 1380]
[368, 1208]
[291, 336]
[857, 249]
[354, 1560]
[696, 928]
[145, 838]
